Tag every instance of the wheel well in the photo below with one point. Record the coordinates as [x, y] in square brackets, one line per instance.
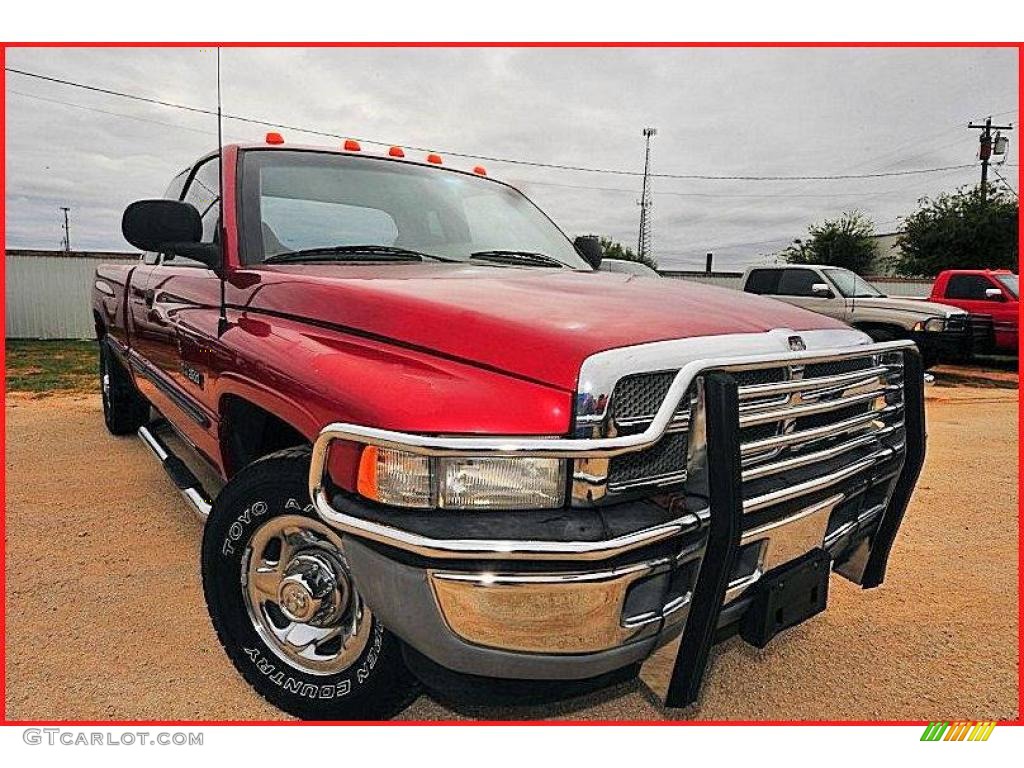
[248, 432]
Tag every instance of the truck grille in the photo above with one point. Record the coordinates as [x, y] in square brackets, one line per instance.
[637, 397]
[803, 430]
[956, 323]
[983, 335]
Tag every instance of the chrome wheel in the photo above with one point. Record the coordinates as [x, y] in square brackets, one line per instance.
[105, 381]
[300, 598]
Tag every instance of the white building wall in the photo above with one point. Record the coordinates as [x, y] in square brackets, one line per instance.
[48, 296]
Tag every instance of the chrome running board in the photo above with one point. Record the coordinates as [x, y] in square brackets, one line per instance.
[184, 480]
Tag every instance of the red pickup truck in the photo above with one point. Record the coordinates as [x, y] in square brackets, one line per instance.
[453, 452]
[990, 296]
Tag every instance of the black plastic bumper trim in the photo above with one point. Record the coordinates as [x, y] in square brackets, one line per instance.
[885, 535]
[725, 525]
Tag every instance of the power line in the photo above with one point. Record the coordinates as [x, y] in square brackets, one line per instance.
[523, 181]
[876, 163]
[1003, 178]
[110, 112]
[714, 195]
[488, 158]
[622, 190]
[727, 246]
[520, 181]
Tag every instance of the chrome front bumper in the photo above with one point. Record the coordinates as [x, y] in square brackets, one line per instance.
[534, 608]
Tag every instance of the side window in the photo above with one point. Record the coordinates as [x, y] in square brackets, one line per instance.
[177, 185]
[798, 282]
[204, 193]
[970, 287]
[173, 192]
[763, 281]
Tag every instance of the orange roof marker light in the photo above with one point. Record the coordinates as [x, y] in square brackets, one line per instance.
[351, 145]
[480, 170]
[274, 138]
[396, 152]
[435, 159]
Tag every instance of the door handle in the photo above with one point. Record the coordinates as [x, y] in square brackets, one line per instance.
[148, 296]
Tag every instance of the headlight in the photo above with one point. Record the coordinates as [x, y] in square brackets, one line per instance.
[932, 324]
[406, 479]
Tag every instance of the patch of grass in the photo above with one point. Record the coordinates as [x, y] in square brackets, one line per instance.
[46, 367]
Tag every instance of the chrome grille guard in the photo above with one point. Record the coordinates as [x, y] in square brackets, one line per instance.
[719, 482]
[558, 447]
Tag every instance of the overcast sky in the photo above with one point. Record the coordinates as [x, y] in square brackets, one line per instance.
[717, 111]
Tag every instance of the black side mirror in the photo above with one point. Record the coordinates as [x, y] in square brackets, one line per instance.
[168, 226]
[589, 247]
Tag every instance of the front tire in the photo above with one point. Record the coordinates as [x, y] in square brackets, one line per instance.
[284, 606]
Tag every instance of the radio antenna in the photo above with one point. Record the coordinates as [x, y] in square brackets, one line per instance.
[222, 320]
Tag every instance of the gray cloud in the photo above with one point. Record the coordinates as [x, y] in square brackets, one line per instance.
[718, 111]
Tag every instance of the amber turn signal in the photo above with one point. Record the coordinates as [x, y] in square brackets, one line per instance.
[366, 482]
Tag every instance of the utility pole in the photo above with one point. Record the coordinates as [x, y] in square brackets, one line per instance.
[646, 202]
[985, 152]
[67, 229]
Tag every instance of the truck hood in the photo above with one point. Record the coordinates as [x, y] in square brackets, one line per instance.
[538, 324]
[922, 307]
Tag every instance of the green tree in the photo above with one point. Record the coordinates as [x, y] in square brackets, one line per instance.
[616, 250]
[843, 242]
[962, 230]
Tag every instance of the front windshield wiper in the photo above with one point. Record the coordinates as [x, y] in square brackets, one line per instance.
[351, 253]
[528, 258]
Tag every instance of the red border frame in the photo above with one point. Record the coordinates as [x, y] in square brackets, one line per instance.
[492, 44]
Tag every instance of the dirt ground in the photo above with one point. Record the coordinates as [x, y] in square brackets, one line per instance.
[105, 615]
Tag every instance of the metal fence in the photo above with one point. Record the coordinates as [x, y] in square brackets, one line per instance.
[47, 293]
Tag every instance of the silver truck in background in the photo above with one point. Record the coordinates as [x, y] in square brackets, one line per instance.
[941, 332]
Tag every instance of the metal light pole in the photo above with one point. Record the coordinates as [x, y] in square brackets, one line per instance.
[646, 202]
[67, 229]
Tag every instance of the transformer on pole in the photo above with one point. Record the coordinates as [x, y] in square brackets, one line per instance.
[646, 202]
[985, 150]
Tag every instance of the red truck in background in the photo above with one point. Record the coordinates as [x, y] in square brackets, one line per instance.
[452, 451]
[984, 293]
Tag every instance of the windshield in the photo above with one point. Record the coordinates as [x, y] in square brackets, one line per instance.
[332, 204]
[851, 285]
[1010, 283]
